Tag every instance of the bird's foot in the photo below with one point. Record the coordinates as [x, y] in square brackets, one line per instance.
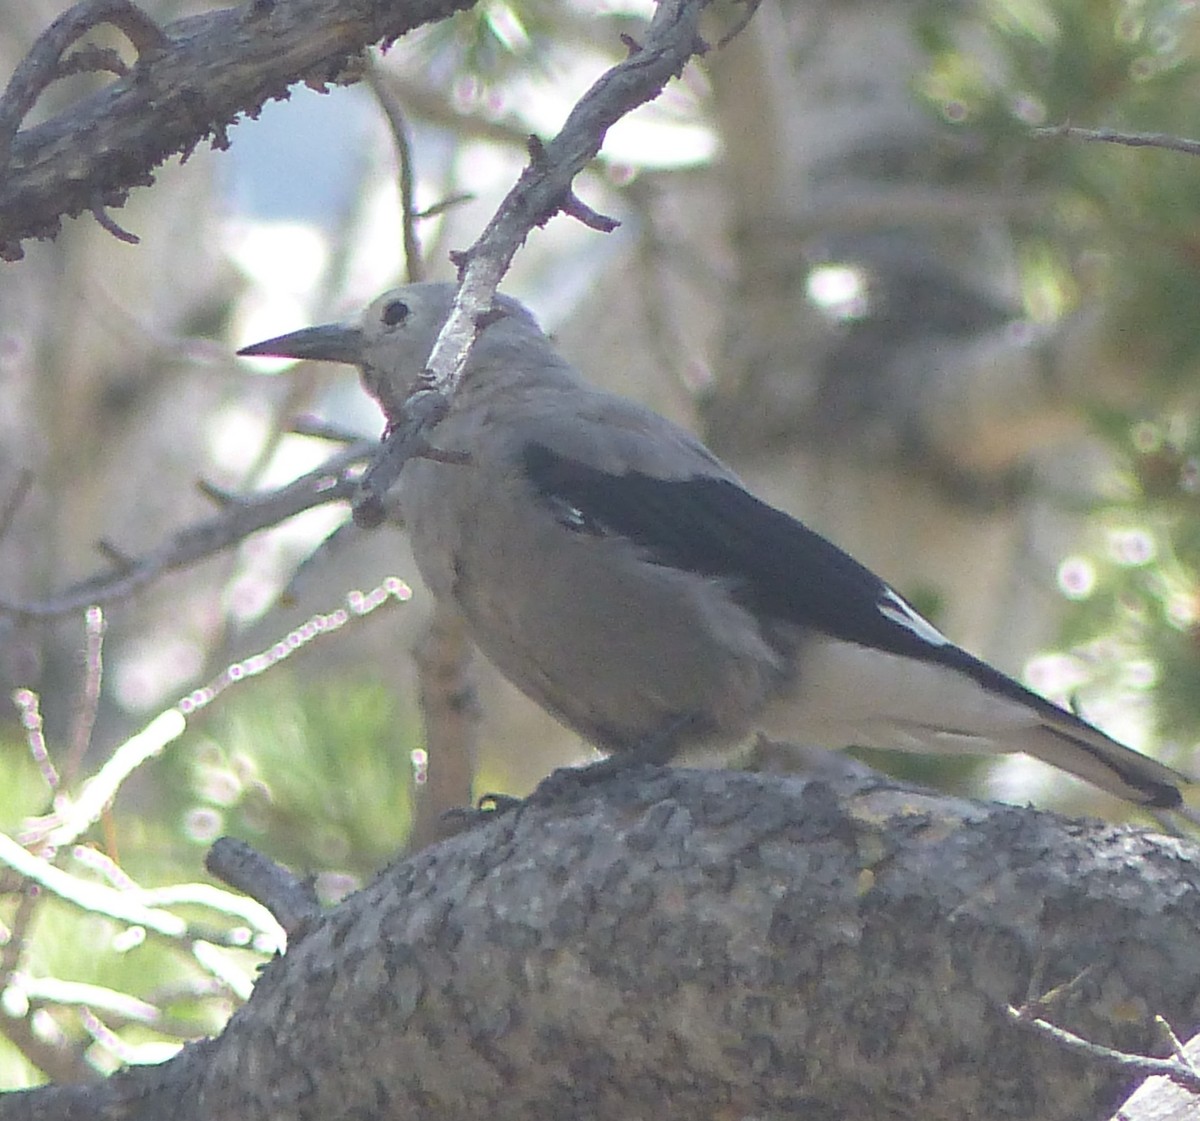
[559, 785]
[565, 782]
[652, 751]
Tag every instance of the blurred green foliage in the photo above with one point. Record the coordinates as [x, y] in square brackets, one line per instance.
[1118, 239]
[1136, 586]
[315, 774]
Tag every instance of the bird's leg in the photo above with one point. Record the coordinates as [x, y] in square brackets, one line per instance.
[654, 750]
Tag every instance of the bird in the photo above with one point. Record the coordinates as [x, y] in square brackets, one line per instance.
[618, 573]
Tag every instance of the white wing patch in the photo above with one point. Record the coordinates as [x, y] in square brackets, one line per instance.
[894, 608]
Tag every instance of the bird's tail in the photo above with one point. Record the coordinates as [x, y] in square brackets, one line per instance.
[1064, 741]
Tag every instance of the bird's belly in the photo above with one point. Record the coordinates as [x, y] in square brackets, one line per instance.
[622, 651]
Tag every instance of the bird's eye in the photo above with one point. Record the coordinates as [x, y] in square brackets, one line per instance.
[394, 312]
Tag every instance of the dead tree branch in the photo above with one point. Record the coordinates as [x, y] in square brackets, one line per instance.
[291, 900]
[190, 82]
[686, 944]
[333, 481]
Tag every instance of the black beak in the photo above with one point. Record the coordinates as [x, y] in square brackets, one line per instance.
[331, 343]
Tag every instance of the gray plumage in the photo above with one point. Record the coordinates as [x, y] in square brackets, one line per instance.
[619, 574]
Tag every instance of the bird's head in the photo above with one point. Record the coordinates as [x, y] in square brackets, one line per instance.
[390, 343]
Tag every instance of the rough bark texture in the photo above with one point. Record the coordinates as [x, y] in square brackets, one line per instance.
[684, 944]
[217, 66]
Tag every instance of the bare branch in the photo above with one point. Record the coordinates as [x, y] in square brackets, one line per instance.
[357, 605]
[425, 100]
[1128, 139]
[414, 265]
[87, 704]
[19, 493]
[445, 204]
[62, 1064]
[191, 81]
[291, 900]
[115, 554]
[45, 63]
[321, 429]
[334, 481]
[73, 815]
[93, 897]
[1180, 1071]
[544, 188]
[29, 709]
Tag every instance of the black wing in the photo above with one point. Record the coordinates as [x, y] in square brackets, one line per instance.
[774, 565]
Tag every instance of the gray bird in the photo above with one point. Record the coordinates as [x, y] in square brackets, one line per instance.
[620, 575]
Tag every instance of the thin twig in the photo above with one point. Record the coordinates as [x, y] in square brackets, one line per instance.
[1144, 1065]
[1040, 1002]
[29, 708]
[414, 265]
[333, 481]
[740, 25]
[14, 948]
[87, 706]
[61, 1064]
[147, 908]
[440, 207]
[73, 816]
[116, 555]
[96, 898]
[112, 226]
[1128, 139]
[357, 605]
[1177, 1045]
[19, 493]
[321, 429]
[51, 990]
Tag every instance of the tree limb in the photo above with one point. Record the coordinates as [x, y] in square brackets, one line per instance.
[333, 481]
[291, 900]
[687, 944]
[212, 68]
